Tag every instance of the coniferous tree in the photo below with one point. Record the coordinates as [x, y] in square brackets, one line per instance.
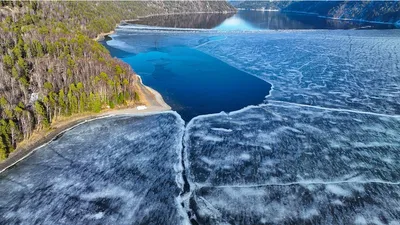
[42, 115]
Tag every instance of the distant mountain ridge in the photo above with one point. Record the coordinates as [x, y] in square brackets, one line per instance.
[375, 11]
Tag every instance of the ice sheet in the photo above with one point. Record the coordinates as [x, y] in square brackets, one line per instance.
[119, 170]
[299, 204]
[282, 163]
[324, 150]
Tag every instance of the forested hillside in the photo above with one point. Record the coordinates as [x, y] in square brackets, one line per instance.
[379, 11]
[50, 66]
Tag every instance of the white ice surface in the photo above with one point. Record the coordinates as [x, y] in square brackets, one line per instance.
[344, 69]
[282, 163]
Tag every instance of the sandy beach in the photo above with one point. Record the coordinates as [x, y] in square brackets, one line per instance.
[101, 36]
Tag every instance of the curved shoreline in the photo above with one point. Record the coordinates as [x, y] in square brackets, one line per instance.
[155, 104]
[101, 36]
[154, 100]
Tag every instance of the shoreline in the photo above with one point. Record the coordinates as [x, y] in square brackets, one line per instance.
[153, 101]
[172, 14]
[101, 36]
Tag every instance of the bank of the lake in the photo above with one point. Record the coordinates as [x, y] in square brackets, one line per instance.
[149, 97]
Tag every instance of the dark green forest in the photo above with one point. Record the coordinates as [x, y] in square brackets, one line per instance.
[51, 67]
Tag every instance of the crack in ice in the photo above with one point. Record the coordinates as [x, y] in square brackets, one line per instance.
[200, 185]
[333, 109]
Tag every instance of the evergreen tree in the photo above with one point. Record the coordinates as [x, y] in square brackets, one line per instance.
[3, 149]
[42, 114]
[61, 102]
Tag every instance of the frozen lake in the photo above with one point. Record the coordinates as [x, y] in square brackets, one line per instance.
[345, 69]
[320, 143]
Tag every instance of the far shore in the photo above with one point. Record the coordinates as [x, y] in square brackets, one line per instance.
[101, 36]
[172, 14]
[152, 100]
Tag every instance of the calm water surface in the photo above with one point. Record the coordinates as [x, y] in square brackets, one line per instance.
[194, 83]
[256, 20]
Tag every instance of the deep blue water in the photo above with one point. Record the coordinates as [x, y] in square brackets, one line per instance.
[194, 83]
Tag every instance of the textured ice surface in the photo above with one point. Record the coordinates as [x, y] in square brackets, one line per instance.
[287, 164]
[337, 69]
[119, 170]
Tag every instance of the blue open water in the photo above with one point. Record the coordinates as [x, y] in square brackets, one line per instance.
[192, 82]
